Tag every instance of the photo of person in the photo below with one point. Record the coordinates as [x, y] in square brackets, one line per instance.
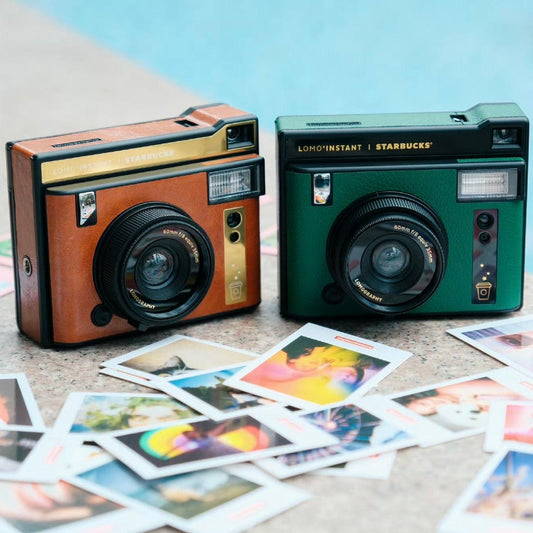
[35, 507]
[508, 492]
[510, 341]
[183, 495]
[315, 371]
[13, 408]
[201, 440]
[459, 406]
[177, 356]
[504, 342]
[110, 412]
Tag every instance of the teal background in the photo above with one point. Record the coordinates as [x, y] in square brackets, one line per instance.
[278, 57]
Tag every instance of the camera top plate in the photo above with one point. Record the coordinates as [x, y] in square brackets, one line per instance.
[200, 133]
[485, 130]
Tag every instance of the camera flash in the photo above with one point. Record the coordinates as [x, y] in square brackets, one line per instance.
[232, 184]
[501, 184]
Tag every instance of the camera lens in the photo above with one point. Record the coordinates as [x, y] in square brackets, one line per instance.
[156, 267]
[153, 265]
[390, 258]
[388, 251]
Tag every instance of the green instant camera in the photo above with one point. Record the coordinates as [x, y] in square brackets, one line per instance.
[402, 213]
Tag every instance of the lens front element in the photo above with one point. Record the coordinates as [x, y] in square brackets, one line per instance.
[388, 251]
[153, 265]
[390, 258]
[156, 267]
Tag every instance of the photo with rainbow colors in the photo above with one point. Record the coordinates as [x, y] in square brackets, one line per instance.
[202, 440]
[203, 443]
[313, 371]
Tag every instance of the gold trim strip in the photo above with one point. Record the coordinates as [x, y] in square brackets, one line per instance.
[235, 258]
[136, 158]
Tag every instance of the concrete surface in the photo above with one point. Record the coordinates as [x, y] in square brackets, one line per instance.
[54, 81]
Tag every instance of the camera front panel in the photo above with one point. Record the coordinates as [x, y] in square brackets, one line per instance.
[483, 270]
[201, 139]
[215, 244]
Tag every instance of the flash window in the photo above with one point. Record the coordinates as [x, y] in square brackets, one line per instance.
[475, 185]
[236, 183]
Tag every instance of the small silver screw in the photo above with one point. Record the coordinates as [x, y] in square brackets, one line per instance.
[26, 265]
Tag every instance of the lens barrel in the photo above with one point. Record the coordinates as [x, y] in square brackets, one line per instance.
[388, 251]
[153, 265]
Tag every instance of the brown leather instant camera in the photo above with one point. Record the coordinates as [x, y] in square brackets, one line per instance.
[137, 226]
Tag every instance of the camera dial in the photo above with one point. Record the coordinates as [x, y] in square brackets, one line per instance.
[388, 251]
[153, 265]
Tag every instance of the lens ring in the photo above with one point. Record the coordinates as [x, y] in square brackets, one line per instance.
[373, 221]
[153, 265]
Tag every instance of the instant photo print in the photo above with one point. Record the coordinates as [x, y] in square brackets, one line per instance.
[500, 497]
[17, 403]
[452, 409]
[317, 366]
[222, 500]
[360, 434]
[205, 443]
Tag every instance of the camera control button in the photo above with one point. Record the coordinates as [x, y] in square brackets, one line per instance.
[27, 266]
[484, 237]
[101, 316]
[485, 220]
[332, 294]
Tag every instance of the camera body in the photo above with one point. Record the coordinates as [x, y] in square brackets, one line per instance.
[135, 227]
[402, 213]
